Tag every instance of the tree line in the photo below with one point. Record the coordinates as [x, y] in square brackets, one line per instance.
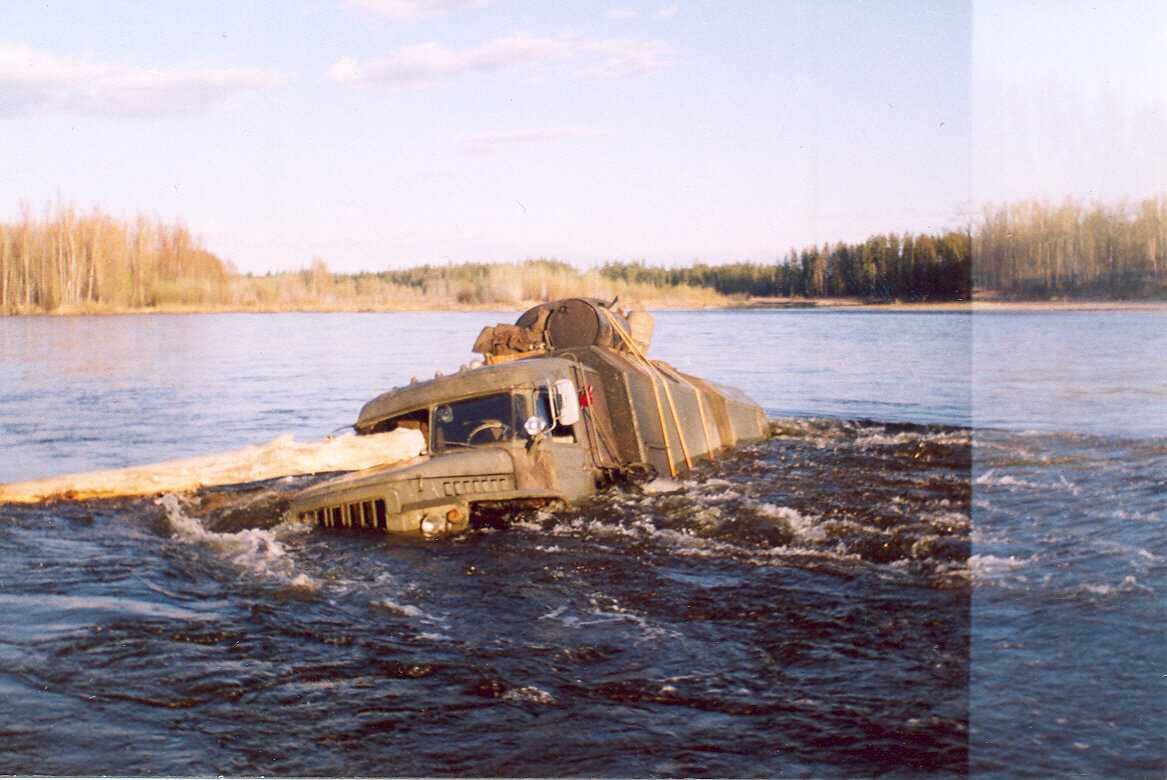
[1035, 249]
[71, 261]
[890, 267]
[68, 261]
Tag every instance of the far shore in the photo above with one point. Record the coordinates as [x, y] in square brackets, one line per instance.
[790, 304]
[975, 305]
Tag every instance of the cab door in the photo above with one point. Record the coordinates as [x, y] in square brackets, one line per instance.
[595, 425]
[564, 447]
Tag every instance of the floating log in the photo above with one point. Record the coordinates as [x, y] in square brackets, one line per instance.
[279, 458]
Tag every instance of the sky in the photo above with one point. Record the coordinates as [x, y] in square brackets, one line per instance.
[376, 134]
[1069, 99]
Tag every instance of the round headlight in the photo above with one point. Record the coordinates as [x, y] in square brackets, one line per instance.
[432, 524]
[534, 425]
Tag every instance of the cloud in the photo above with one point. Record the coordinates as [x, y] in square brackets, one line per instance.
[412, 10]
[623, 57]
[668, 12]
[38, 82]
[427, 63]
[488, 143]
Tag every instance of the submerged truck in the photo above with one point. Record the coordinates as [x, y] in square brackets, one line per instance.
[563, 403]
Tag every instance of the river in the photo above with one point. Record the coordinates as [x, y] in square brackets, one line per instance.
[951, 558]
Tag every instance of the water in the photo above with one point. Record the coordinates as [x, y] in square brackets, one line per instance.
[879, 588]
[1069, 615]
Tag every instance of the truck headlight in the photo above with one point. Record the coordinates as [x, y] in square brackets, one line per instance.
[431, 525]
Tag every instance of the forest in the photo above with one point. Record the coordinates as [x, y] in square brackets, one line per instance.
[65, 261]
[1034, 250]
[883, 268]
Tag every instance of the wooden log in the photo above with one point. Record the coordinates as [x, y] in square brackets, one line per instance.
[279, 458]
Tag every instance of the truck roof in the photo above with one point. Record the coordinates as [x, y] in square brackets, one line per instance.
[500, 377]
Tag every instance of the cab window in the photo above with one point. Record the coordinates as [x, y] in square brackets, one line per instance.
[473, 422]
[418, 420]
[543, 410]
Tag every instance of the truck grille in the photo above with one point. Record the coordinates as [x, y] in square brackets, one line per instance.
[362, 514]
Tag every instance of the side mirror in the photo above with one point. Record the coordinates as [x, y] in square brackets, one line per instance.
[566, 402]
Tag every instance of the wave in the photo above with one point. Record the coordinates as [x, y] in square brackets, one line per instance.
[820, 493]
[256, 550]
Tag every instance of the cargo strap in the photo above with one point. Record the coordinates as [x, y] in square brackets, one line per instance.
[654, 374]
[700, 406]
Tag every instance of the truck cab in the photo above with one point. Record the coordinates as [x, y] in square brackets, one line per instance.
[497, 438]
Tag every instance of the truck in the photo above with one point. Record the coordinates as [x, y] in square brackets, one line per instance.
[563, 403]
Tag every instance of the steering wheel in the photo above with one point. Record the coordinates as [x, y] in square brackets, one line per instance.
[489, 425]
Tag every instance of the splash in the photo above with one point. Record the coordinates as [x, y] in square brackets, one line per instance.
[257, 550]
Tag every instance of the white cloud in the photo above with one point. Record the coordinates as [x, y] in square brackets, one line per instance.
[668, 12]
[623, 57]
[427, 63]
[487, 143]
[38, 82]
[412, 10]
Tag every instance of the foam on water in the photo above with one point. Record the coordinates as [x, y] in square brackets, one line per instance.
[759, 507]
[256, 550]
[401, 610]
[530, 693]
[1070, 542]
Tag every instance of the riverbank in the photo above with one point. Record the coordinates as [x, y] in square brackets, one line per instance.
[1067, 306]
[978, 304]
[665, 303]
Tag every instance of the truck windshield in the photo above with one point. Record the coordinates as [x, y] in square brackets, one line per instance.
[475, 421]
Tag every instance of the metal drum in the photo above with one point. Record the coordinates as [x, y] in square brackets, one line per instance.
[577, 322]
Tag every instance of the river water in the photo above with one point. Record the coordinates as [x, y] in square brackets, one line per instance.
[951, 558]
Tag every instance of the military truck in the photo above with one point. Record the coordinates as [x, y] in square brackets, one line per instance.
[563, 403]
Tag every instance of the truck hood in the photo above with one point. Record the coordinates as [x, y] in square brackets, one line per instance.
[456, 464]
